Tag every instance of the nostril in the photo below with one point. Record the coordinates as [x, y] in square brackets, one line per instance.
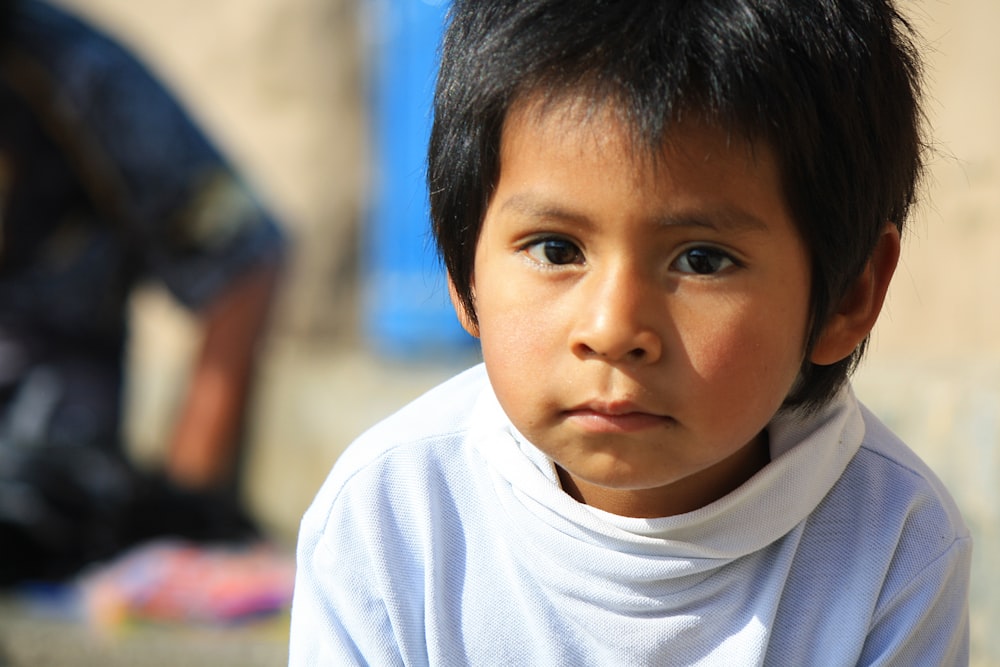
[625, 343]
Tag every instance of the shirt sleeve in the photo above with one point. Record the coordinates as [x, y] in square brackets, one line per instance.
[344, 612]
[926, 622]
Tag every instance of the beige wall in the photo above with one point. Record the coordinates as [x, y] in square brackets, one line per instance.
[945, 303]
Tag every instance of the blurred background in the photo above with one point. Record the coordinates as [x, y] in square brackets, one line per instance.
[319, 103]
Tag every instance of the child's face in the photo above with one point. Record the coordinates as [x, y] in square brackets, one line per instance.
[640, 323]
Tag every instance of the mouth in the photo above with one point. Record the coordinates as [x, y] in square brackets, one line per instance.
[615, 418]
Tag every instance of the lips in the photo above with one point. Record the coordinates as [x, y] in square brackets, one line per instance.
[620, 417]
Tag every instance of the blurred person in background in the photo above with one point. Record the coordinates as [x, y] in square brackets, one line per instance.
[106, 182]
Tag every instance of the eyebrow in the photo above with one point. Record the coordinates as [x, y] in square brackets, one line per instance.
[722, 219]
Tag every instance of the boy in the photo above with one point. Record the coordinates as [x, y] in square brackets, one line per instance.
[672, 226]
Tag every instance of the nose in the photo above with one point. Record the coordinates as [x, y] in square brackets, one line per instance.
[616, 318]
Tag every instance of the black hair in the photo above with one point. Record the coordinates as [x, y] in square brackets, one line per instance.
[831, 86]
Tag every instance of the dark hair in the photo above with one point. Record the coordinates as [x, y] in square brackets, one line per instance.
[831, 86]
[7, 8]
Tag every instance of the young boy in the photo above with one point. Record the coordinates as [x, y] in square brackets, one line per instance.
[672, 226]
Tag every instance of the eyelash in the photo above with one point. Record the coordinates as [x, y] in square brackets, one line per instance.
[715, 254]
[548, 243]
[697, 254]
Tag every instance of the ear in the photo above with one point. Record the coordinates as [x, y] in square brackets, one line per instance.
[860, 307]
[463, 314]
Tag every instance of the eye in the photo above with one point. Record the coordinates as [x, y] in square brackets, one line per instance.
[703, 261]
[554, 250]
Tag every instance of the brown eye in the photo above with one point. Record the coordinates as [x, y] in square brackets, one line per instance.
[703, 261]
[555, 251]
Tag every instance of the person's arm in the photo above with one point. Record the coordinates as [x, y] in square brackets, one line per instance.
[203, 450]
[927, 621]
[357, 594]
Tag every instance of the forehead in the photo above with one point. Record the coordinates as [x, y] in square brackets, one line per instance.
[574, 134]
[600, 124]
[609, 123]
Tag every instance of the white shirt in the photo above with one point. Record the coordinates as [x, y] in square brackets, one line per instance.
[442, 537]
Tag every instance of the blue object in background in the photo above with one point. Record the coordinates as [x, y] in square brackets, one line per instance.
[407, 312]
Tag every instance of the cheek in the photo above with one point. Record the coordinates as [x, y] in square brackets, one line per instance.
[517, 361]
[516, 336]
[515, 318]
[751, 351]
[516, 348]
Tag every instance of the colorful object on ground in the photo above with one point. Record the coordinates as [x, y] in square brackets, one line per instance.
[169, 580]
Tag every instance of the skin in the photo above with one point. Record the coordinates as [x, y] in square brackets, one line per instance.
[642, 320]
[203, 450]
